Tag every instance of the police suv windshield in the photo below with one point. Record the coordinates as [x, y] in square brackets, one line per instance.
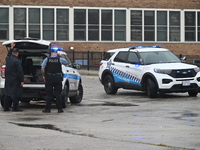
[159, 57]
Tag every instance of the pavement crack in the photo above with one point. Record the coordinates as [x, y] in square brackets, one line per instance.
[52, 127]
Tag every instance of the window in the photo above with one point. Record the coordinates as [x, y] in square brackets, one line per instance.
[34, 22]
[79, 24]
[149, 26]
[162, 26]
[62, 26]
[120, 25]
[19, 23]
[136, 25]
[108, 55]
[190, 26]
[198, 26]
[93, 25]
[121, 57]
[132, 58]
[4, 18]
[174, 26]
[106, 25]
[48, 23]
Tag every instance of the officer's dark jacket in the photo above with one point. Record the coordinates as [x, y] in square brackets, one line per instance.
[14, 76]
[53, 65]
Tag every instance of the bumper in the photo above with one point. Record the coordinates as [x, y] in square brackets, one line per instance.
[169, 84]
[180, 88]
[33, 93]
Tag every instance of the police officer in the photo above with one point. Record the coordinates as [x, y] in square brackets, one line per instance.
[51, 68]
[14, 80]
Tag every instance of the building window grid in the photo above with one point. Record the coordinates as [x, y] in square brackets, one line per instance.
[4, 23]
[21, 26]
[41, 24]
[20, 22]
[190, 26]
[198, 25]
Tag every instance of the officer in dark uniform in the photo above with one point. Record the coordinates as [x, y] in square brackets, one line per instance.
[51, 69]
[14, 80]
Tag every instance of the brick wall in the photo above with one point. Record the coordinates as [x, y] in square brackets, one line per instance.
[192, 51]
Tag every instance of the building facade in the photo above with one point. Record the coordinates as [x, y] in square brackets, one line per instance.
[100, 25]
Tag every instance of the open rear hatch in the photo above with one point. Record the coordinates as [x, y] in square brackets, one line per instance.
[29, 45]
[32, 53]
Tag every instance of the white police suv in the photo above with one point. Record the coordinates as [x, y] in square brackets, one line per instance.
[32, 53]
[148, 68]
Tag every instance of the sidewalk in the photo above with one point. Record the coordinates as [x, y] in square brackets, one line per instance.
[90, 72]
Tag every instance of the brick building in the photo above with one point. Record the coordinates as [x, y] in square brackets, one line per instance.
[100, 25]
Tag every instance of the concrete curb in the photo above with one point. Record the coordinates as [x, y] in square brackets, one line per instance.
[90, 72]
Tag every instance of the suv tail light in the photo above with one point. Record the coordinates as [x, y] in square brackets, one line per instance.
[100, 64]
[3, 72]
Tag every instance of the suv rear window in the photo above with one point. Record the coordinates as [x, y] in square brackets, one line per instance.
[107, 55]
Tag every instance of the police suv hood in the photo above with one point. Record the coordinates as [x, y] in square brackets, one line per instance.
[173, 66]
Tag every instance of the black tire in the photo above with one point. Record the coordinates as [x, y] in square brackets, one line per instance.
[65, 96]
[78, 97]
[151, 88]
[109, 85]
[193, 93]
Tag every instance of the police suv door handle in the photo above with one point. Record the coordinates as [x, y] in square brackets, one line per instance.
[113, 63]
[127, 66]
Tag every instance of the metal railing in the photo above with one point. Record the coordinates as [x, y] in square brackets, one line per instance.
[87, 59]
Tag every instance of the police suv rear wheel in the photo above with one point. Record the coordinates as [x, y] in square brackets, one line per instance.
[65, 96]
[109, 85]
[78, 97]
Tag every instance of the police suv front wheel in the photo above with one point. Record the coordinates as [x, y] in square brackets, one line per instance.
[193, 93]
[78, 97]
[151, 88]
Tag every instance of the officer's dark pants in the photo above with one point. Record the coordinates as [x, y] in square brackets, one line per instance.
[53, 84]
[8, 102]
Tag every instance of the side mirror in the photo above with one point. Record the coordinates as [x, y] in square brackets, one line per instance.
[77, 66]
[183, 59]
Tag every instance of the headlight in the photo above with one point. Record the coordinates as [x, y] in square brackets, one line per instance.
[163, 71]
[196, 69]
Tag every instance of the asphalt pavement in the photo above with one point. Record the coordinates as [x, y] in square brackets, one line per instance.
[128, 120]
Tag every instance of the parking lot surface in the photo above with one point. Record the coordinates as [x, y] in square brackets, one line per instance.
[128, 120]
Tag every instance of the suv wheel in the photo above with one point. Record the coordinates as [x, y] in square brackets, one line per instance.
[65, 96]
[109, 85]
[79, 96]
[151, 88]
[193, 93]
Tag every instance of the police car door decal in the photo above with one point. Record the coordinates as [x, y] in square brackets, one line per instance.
[120, 76]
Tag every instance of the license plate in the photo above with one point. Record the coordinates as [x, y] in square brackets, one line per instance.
[186, 83]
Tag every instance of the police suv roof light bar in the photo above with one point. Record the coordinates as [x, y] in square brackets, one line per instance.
[153, 46]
